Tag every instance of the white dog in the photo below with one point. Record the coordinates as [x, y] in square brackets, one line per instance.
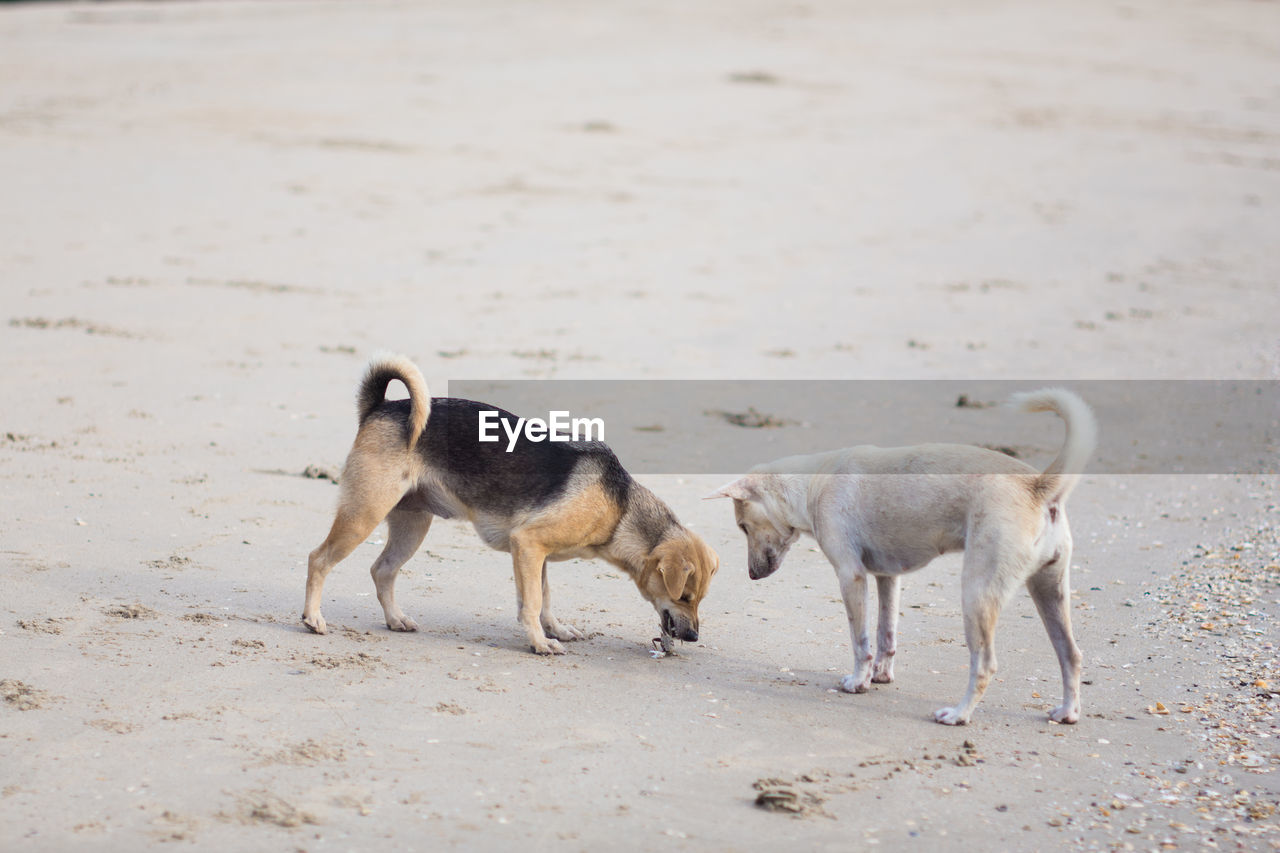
[886, 511]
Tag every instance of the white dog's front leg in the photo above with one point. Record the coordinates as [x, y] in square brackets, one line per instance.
[853, 588]
[887, 587]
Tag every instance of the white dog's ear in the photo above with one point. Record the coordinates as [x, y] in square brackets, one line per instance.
[741, 489]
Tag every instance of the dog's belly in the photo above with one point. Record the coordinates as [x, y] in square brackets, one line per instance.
[493, 532]
[436, 501]
[901, 558]
[584, 553]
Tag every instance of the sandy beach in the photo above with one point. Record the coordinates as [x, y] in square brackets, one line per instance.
[214, 214]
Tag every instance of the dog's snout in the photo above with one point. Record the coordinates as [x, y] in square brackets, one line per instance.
[762, 568]
[678, 625]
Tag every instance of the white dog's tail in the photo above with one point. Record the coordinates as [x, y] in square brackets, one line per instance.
[382, 370]
[1060, 477]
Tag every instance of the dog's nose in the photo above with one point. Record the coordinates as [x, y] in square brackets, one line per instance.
[690, 635]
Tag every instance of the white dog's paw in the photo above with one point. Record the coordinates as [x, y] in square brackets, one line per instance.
[315, 623]
[546, 646]
[1064, 714]
[854, 684]
[883, 672]
[403, 623]
[561, 631]
[950, 717]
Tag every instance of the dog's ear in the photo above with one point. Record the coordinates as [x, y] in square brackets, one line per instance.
[675, 573]
[741, 489]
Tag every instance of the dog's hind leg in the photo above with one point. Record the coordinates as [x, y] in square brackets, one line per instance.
[405, 531]
[987, 580]
[348, 531]
[1049, 588]
[361, 509]
[551, 626]
[887, 588]
[529, 561]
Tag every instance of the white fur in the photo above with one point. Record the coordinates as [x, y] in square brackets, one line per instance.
[882, 512]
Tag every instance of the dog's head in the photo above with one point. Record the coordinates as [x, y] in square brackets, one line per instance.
[758, 515]
[674, 580]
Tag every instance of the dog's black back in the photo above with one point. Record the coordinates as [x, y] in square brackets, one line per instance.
[485, 476]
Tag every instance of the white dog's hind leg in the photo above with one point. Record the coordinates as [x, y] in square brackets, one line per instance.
[986, 583]
[853, 588]
[1049, 590]
[979, 629]
[887, 587]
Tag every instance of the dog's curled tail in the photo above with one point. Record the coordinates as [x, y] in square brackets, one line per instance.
[1060, 477]
[382, 371]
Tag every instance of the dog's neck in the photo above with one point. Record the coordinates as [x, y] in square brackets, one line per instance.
[647, 523]
[792, 501]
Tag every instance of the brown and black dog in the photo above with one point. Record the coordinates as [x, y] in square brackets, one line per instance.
[419, 458]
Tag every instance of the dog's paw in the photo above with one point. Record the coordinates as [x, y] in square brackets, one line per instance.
[1063, 714]
[316, 624]
[851, 684]
[883, 672]
[404, 623]
[950, 717]
[547, 646]
[561, 631]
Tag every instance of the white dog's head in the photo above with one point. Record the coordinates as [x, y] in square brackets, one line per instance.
[759, 515]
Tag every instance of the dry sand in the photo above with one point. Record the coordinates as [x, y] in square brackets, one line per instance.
[213, 213]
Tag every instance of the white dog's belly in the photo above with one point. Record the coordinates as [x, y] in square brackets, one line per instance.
[898, 561]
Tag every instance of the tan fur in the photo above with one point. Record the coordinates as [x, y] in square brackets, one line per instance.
[374, 388]
[582, 520]
[676, 575]
[382, 468]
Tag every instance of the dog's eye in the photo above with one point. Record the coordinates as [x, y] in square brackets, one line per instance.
[685, 599]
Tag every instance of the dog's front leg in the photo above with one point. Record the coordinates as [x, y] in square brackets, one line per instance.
[887, 587]
[551, 626]
[853, 588]
[528, 559]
